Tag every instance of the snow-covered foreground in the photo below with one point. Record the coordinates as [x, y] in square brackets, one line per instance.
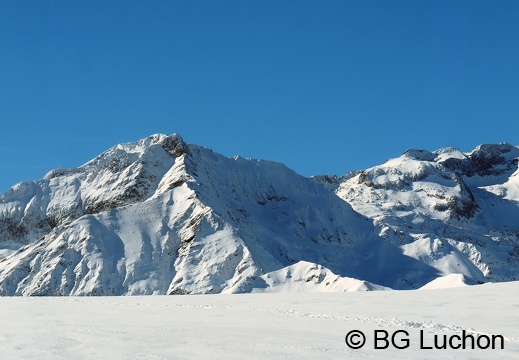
[259, 326]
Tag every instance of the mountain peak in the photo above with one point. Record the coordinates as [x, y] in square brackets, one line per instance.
[419, 154]
[173, 144]
[500, 148]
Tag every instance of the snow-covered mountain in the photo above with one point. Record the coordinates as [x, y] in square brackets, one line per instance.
[457, 212]
[160, 216]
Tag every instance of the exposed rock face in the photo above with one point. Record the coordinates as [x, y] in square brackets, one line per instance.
[160, 216]
[492, 159]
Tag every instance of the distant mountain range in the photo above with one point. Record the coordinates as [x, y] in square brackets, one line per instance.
[160, 216]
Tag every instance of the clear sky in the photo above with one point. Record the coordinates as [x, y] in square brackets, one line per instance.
[322, 86]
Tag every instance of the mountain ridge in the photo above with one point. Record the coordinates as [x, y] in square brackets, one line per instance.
[160, 216]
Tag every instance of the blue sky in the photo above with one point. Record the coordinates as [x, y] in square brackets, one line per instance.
[322, 86]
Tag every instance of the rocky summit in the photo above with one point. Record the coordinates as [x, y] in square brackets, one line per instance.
[161, 216]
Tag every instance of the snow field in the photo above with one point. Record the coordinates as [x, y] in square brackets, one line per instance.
[257, 326]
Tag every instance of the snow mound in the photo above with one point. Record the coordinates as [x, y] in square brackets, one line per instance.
[309, 277]
[448, 281]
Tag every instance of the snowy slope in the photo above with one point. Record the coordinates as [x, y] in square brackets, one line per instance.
[160, 216]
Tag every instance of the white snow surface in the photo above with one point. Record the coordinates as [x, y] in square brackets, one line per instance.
[258, 326]
[308, 277]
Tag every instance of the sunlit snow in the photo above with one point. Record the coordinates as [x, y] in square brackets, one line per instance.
[258, 326]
